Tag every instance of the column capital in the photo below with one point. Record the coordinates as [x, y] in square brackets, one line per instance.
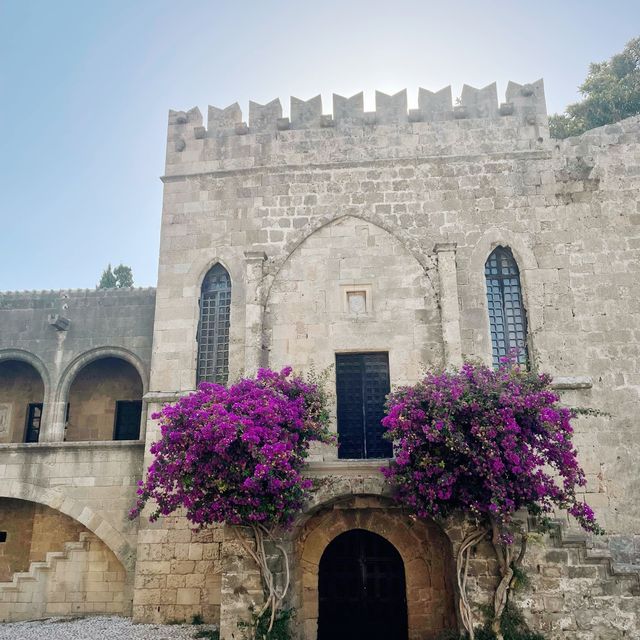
[442, 247]
[255, 256]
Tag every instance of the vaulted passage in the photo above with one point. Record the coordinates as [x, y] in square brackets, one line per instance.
[362, 589]
[105, 402]
[21, 402]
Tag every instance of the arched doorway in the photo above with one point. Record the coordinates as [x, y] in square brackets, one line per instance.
[361, 589]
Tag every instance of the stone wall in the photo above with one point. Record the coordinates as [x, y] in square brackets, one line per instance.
[83, 579]
[60, 332]
[16, 520]
[178, 572]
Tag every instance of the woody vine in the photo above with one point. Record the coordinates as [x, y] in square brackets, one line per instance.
[479, 441]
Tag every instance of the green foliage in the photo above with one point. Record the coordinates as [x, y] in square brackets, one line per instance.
[281, 625]
[124, 276]
[196, 618]
[107, 280]
[611, 93]
[208, 634]
[512, 625]
[520, 579]
[118, 278]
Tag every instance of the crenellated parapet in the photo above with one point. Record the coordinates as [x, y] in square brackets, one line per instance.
[524, 102]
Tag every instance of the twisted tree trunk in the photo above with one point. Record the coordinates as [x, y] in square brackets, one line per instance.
[274, 597]
[507, 566]
[462, 570]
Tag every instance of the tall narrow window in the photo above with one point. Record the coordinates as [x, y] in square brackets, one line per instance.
[507, 315]
[213, 328]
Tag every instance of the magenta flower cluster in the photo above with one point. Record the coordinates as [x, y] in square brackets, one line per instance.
[487, 442]
[235, 454]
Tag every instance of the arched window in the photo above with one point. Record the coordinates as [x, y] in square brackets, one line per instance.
[213, 328]
[507, 315]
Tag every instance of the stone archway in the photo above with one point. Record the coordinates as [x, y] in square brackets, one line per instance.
[424, 548]
[76, 510]
[362, 589]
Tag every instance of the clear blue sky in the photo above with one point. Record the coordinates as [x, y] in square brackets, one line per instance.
[85, 87]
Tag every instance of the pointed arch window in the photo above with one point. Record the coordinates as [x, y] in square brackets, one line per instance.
[507, 315]
[213, 327]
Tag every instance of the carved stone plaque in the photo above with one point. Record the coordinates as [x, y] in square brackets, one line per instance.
[5, 418]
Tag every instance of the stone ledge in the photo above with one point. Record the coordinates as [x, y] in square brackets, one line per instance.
[87, 444]
[165, 396]
[347, 467]
[572, 382]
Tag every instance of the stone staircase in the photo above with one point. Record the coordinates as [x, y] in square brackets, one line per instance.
[595, 551]
[60, 585]
[578, 591]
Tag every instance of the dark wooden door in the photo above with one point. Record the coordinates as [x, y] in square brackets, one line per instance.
[362, 590]
[362, 383]
[127, 422]
[34, 418]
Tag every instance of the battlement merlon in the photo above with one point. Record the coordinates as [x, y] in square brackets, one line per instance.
[526, 102]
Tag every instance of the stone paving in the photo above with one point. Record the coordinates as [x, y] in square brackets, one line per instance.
[97, 628]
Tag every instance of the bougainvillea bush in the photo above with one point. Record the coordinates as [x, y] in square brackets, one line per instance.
[235, 454]
[487, 442]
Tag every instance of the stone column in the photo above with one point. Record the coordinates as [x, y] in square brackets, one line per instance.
[53, 419]
[254, 261]
[449, 309]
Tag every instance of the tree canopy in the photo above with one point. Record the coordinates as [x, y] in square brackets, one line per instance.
[611, 93]
[117, 278]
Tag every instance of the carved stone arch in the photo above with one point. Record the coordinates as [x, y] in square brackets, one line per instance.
[33, 360]
[74, 367]
[55, 431]
[233, 261]
[315, 224]
[530, 280]
[80, 512]
[424, 547]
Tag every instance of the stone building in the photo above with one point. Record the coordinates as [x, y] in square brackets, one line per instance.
[378, 243]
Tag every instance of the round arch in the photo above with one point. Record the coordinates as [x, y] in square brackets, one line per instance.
[29, 358]
[425, 549]
[82, 513]
[56, 431]
[375, 605]
[408, 243]
[73, 368]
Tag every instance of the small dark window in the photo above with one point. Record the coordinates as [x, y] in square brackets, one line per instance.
[34, 418]
[3, 536]
[507, 315]
[213, 328]
[127, 421]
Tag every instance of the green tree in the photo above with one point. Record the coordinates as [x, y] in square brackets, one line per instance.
[117, 278]
[611, 93]
[108, 279]
[123, 275]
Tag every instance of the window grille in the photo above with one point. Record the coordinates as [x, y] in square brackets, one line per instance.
[213, 328]
[507, 315]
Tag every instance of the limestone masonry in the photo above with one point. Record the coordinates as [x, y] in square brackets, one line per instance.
[291, 240]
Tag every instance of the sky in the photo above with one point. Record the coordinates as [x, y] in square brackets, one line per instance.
[85, 87]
